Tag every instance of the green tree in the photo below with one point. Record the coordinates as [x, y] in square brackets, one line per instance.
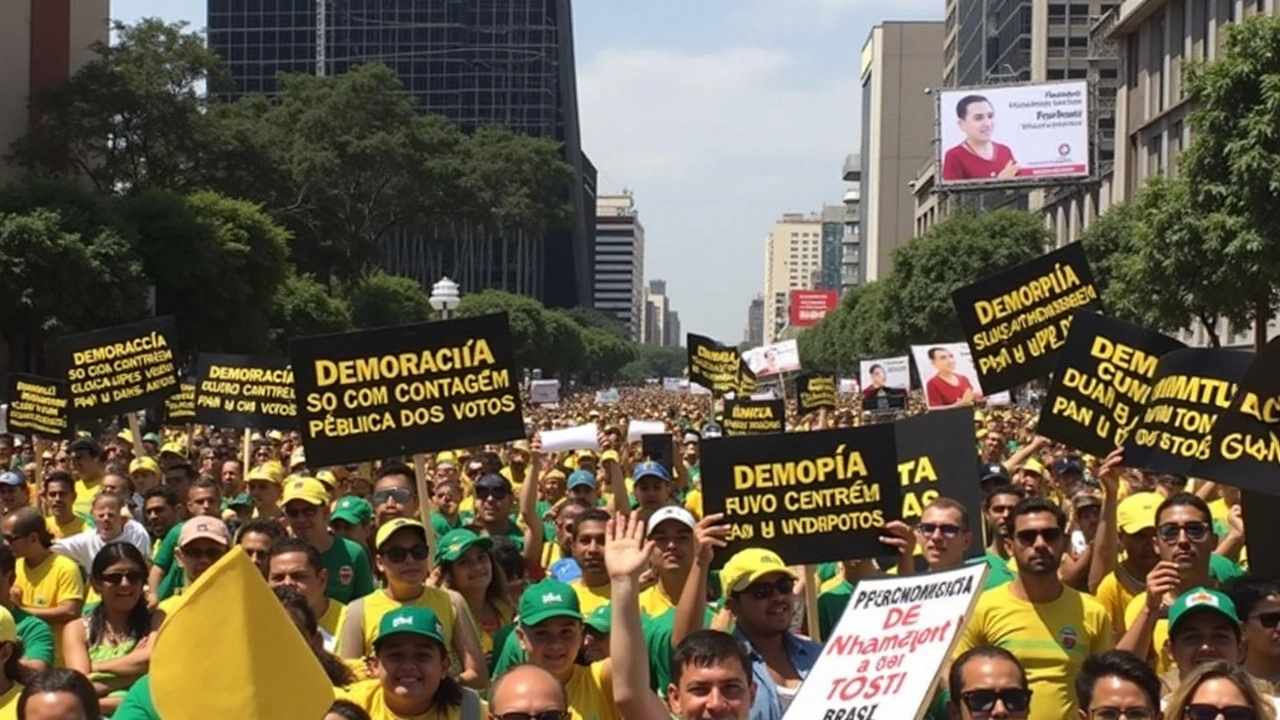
[588, 318]
[304, 306]
[528, 320]
[607, 353]
[565, 350]
[382, 300]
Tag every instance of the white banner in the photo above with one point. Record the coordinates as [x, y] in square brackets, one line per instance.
[884, 656]
[848, 386]
[544, 392]
[768, 360]
[671, 384]
[607, 397]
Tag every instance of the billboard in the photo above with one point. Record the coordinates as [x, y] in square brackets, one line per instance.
[1014, 133]
[810, 306]
[768, 360]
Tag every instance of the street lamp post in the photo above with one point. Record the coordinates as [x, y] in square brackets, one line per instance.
[444, 297]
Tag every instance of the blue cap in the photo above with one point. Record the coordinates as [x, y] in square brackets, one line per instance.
[1066, 464]
[649, 468]
[581, 477]
[11, 479]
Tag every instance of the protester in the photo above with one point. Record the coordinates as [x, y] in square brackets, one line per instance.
[1257, 604]
[1118, 684]
[465, 565]
[988, 682]
[528, 691]
[47, 585]
[1218, 689]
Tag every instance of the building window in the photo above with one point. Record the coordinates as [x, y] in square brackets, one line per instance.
[1077, 73]
[1056, 74]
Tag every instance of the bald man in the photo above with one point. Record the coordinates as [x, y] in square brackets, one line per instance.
[529, 690]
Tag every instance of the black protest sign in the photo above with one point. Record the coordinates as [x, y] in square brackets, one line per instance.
[938, 458]
[1245, 446]
[885, 399]
[746, 379]
[815, 392]
[659, 449]
[120, 369]
[714, 366]
[38, 406]
[180, 407]
[754, 417]
[245, 391]
[1191, 388]
[1102, 383]
[409, 389]
[1016, 322]
[811, 497]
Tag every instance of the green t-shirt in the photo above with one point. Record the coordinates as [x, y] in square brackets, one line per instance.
[831, 605]
[441, 524]
[137, 703]
[998, 572]
[36, 636]
[164, 557]
[350, 575]
[1223, 569]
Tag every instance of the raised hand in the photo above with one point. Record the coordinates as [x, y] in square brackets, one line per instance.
[626, 551]
[709, 534]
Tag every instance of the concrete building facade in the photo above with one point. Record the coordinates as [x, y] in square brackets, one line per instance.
[754, 334]
[792, 253]
[661, 322]
[851, 252]
[619, 261]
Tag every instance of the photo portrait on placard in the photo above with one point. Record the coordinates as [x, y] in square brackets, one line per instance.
[768, 360]
[947, 375]
[894, 372]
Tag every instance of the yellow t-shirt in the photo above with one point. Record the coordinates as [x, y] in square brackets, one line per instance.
[9, 703]
[378, 603]
[85, 492]
[332, 618]
[654, 602]
[1051, 640]
[693, 502]
[1159, 635]
[53, 582]
[590, 693]
[368, 694]
[590, 598]
[1115, 598]
[59, 532]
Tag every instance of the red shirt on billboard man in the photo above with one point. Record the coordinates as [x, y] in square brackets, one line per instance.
[978, 157]
[878, 380]
[946, 388]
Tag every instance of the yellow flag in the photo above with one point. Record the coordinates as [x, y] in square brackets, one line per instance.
[231, 651]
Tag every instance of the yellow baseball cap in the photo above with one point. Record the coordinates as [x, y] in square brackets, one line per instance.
[446, 459]
[748, 566]
[173, 448]
[306, 489]
[269, 471]
[328, 478]
[275, 435]
[8, 628]
[144, 463]
[1138, 512]
[126, 435]
[386, 531]
[1033, 465]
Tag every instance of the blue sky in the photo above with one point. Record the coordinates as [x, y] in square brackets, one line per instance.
[719, 115]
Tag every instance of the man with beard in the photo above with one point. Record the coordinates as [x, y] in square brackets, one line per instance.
[1185, 541]
[494, 498]
[395, 494]
[160, 511]
[1050, 628]
[997, 505]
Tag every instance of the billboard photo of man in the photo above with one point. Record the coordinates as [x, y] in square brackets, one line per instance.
[946, 388]
[978, 157]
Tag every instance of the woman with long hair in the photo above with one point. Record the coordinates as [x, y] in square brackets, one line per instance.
[1216, 690]
[112, 644]
[465, 564]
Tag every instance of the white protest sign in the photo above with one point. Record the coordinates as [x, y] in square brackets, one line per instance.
[883, 658]
[544, 392]
[671, 384]
[607, 397]
[637, 429]
[582, 437]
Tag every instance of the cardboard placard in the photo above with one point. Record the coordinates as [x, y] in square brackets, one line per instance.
[1191, 388]
[245, 391]
[1102, 382]
[38, 406]
[659, 449]
[180, 407]
[885, 399]
[409, 389]
[1016, 322]
[815, 392]
[754, 417]
[938, 458]
[1245, 446]
[884, 658]
[120, 369]
[811, 497]
[712, 365]
[544, 392]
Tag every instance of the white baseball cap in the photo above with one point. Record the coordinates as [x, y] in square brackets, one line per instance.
[670, 512]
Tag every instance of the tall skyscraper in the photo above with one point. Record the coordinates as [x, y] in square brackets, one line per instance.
[792, 253]
[900, 61]
[619, 261]
[754, 335]
[851, 252]
[42, 43]
[832, 248]
[493, 62]
[657, 313]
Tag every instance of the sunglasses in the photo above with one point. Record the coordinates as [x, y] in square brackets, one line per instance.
[212, 553]
[947, 529]
[1016, 700]
[1268, 620]
[1028, 537]
[544, 715]
[498, 493]
[1196, 531]
[297, 512]
[400, 495]
[1212, 712]
[400, 554]
[135, 577]
[764, 591]
[1110, 713]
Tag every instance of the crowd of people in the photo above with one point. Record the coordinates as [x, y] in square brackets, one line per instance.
[550, 586]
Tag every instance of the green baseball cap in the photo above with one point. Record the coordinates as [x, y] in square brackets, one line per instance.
[457, 541]
[241, 500]
[546, 600]
[1201, 599]
[352, 509]
[410, 620]
[601, 619]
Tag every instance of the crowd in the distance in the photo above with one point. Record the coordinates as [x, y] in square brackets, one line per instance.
[549, 586]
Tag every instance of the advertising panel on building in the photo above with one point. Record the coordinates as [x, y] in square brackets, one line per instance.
[1014, 134]
[810, 306]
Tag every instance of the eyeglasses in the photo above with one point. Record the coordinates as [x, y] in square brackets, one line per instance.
[399, 554]
[1028, 537]
[764, 591]
[947, 529]
[544, 715]
[400, 495]
[1212, 712]
[497, 493]
[1015, 700]
[135, 577]
[211, 553]
[297, 512]
[1268, 620]
[1196, 531]
[1110, 713]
